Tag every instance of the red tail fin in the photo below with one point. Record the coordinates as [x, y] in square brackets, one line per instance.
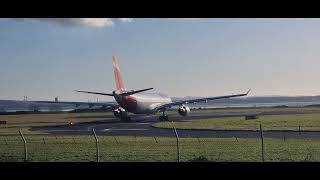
[117, 75]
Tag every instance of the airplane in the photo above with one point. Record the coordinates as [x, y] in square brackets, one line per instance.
[139, 102]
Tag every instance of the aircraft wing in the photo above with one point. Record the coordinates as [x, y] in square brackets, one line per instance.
[111, 104]
[165, 106]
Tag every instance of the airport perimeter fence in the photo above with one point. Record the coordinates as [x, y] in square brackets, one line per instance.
[50, 148]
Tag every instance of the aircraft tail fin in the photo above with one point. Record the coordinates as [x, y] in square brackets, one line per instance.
[117, 74]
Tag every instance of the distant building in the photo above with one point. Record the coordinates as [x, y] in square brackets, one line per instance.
[34, 107]
[2, 109]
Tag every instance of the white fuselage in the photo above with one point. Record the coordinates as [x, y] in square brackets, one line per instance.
[143, 103]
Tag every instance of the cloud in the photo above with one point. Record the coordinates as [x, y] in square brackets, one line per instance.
[126, 19]
[91, 22]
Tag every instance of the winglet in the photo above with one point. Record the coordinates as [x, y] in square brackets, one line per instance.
[248, 91]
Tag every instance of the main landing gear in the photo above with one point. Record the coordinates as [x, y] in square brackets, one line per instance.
[163, 117]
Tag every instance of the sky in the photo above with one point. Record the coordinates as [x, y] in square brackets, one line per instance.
[47, 58]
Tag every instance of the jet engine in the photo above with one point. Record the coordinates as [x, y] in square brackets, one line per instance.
[183, 110]
[120, 112]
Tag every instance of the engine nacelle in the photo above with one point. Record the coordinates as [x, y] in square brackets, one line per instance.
[120, 112]
[183, 110]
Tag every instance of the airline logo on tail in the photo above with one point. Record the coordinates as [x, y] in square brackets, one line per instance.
[117, 74]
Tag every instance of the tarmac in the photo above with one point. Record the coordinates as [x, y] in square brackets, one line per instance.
[142, 126]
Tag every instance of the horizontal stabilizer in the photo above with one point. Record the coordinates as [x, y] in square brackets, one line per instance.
[134, 92]
[105, 94]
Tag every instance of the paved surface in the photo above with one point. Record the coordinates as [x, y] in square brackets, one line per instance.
[142, 126]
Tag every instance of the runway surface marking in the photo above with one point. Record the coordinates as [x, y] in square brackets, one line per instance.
[63, 130]
[125, 129]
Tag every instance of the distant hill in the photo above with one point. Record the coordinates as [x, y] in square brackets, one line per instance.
[7, 105]
[314, 105]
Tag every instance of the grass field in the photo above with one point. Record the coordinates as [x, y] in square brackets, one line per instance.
[307, 122]
[43, 147]
[55, 118]
[283, 122]
[25, 121]
[121, 149]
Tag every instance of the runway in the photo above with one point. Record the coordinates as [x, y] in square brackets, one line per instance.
[142, 126]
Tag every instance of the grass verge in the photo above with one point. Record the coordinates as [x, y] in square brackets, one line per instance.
[141, 149]
[307, 122]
